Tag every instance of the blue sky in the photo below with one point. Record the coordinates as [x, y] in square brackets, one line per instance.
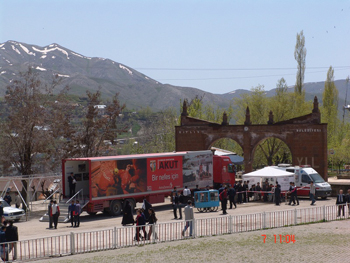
[217, 46]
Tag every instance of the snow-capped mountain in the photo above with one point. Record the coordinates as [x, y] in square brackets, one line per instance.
[83, 73]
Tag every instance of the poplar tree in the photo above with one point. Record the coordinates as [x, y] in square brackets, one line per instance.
[300, 55]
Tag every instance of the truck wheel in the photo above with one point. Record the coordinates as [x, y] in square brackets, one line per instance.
[324, 197]
[115, 208]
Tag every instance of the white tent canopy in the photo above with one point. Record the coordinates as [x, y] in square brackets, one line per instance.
[269, 172]
[272, 174]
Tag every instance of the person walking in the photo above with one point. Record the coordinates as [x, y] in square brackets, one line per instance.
[312, 192]
[77, 213]
[55, 213]
[232, 195]
[189, 217]
[277, 194]
[291, 189]
[223, 199]
[295, 193]
[152, 221]
[127, 214]
[71, 210]
[72, 182]
[340, 202]
[50, 214]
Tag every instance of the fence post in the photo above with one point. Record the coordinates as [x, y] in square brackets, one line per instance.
[264, 220]
[194, 228]
[230, 224]
[115, 237]
[324, 213]
[295, 216]
[72, 243]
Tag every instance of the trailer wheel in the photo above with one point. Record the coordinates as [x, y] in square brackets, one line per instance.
[115, 208]
[200, 209]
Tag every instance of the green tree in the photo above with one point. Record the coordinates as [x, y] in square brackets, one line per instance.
[330, 107]
[300, 55]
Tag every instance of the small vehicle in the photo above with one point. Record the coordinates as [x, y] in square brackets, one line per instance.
[206, 201]
[11, 213]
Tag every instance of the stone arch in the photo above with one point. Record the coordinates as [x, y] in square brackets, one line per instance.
[305, 136]
[262, 140]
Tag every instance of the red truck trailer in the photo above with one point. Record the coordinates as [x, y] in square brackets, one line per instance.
[106, 182]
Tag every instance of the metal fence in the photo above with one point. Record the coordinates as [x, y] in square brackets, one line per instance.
[119, 237]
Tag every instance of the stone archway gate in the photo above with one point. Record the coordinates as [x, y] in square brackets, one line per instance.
[305, 136]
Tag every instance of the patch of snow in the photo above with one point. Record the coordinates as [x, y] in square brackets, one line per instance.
[26, 50]
[2, 48]
[2, 44]
[39, 68]
[53, 57]
[113, 62]
[14, 74]
[2, 72]
[46, 50]
[43, 56]
[10, 65]
[146, 78]
[15, 49]
[8, 61]
[123, 67]
[63, 76]
[52, 45]
[232, 92]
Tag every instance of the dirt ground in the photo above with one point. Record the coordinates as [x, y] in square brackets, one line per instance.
[323, 242]
[35, 229]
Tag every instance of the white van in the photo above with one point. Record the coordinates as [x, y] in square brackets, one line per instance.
[303, 175]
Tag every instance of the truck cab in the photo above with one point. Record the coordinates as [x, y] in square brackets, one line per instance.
[223, 170]
[303, 175]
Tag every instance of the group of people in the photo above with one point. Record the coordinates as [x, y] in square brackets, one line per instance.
[179, 200]
[144, 215]
[8, 234]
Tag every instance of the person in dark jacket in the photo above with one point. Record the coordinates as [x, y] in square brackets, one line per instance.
[145, 206]
[341, 201]
[152, 221]
[11, 235]
[72, 182]
[295, 194]
[231, 196]
[278, 194]
[127, 214]
[71, 210]
[223, 199]
[1, 213]
[291, 190]
[240, 192]
[8, 198]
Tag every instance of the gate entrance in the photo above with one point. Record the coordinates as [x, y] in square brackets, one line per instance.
[305, 136]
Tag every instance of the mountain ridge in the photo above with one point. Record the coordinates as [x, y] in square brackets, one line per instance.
[137, 90]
